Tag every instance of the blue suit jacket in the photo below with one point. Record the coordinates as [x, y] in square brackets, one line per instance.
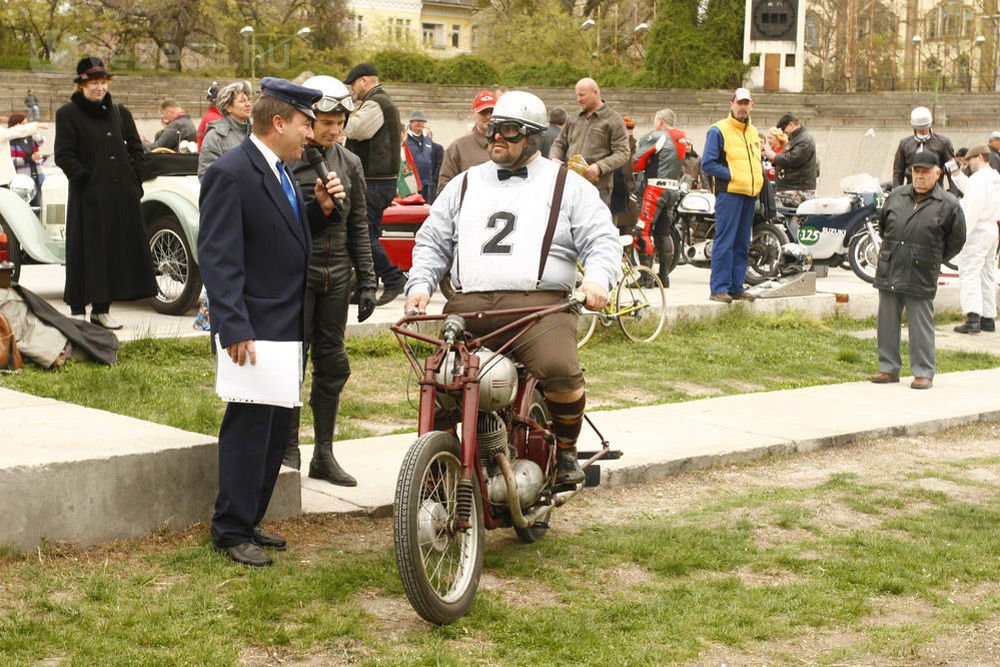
[253, 251]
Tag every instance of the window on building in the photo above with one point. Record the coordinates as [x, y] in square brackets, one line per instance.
[399, 29]
[475, 37]
[433, 34]
[931, 24]
[359, 26]
[456, 36]
[789, 60]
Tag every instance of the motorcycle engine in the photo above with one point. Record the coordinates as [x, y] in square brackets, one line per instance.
[530, 481]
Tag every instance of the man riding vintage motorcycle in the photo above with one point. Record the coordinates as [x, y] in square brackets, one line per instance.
[507, 255]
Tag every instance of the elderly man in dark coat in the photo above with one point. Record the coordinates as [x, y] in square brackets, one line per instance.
[921, 226]
[98, 148]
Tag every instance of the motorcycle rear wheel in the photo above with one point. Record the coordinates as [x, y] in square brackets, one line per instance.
[765, 253]
[438, 562]
[538, 411]
[863, 257]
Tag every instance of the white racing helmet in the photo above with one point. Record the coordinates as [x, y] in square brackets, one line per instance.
[518, 106]
[921, 118]
[336, 96]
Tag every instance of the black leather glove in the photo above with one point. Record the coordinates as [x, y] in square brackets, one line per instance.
[366, 304]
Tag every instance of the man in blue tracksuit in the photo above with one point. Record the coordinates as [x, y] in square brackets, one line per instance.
[732, 157]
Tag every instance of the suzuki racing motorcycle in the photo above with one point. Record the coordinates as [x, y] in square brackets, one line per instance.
[835, 229]
[692, 213]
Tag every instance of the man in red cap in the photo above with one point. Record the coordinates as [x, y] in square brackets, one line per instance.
[470, 150]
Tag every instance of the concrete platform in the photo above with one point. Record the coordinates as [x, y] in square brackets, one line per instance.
[84, 476]
[661, 440]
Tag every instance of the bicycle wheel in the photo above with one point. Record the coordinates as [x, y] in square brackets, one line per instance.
[439, 562]
[641, 311]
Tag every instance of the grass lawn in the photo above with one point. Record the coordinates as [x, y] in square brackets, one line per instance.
[172, 381]
[870, 554]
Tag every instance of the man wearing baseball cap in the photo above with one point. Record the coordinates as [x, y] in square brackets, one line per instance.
[374, 134]
[254, 242]
[994, 144]
[732, 157]
[921, 227]
[471, 149]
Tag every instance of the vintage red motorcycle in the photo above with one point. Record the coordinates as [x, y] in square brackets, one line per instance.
[496, 470]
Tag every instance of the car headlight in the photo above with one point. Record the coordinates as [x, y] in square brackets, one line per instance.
[23, 186]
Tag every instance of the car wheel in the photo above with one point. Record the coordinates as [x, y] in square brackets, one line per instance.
[178, 280]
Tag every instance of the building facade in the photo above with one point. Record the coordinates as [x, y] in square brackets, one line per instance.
[441, 27]
[773, 44]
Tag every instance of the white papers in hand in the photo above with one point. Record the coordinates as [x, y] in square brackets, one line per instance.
[275, 379]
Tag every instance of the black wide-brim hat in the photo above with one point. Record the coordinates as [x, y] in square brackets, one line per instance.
[91, 68]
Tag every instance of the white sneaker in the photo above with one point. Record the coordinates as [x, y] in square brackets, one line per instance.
[105, 320]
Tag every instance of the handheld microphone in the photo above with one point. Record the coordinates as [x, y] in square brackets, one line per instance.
[319, 165]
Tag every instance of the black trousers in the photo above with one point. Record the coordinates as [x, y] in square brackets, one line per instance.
[380, 194]
[326, 322]
[252, 441]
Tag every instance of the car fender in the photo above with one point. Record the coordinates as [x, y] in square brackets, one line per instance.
[30, 234]
[185, 212]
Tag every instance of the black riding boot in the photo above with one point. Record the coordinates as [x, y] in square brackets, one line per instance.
[323, 465]
[292, 458]
[665, 257]
[971, 326]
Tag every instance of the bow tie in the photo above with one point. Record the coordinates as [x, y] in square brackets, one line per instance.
[504, 174]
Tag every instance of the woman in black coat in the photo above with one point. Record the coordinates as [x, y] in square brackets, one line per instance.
[98, 148]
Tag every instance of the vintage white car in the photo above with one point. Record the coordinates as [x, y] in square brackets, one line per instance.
[37, 234]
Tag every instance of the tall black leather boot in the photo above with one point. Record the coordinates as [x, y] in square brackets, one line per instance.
[323, 465]
[665, 257]
[971, 325]
[292, 458]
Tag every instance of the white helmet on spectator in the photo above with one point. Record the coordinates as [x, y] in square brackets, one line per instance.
[921, 118]
[518, 106]
[336, 96]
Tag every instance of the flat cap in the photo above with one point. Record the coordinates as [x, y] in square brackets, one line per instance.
[417, 114]
[300, 97]
[979, 150]
[358, 71]
[926, 159]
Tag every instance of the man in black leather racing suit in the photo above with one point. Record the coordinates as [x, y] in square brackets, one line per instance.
[345, 245]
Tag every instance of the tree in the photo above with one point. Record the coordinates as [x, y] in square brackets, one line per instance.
[696, 45]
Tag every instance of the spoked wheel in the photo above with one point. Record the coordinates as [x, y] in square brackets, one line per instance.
[178, 281]
[586, 322]
[439, 556]
[765, 253]
[642, 311]
[863, 256]
[538, 411]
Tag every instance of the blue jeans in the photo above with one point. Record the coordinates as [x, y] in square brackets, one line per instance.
[379, 196]
[731, 245]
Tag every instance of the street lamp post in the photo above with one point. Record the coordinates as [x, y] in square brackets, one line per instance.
[916, 70]
[248, 30]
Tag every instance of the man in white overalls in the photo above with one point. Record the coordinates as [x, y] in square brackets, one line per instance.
[510, 231]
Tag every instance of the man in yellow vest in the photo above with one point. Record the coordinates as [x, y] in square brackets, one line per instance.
[732, 157]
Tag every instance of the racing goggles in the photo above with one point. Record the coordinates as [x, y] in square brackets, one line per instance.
[508, 130]
[333, 104]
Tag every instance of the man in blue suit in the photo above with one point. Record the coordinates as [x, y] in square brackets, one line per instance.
[254, 244]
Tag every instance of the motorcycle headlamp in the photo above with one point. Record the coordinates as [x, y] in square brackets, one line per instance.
[333, 104]
[510, 131]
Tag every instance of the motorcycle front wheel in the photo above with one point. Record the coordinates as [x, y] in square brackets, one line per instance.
[863, 257]
[765, 253]
[439, 559]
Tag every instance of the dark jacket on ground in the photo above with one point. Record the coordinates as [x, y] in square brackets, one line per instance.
[916, 239]
[179, 129]
[95, 342]
[796, 165]
[345, 243]
[380, 154]
[464, 153]
[939, 144]
[107, 256]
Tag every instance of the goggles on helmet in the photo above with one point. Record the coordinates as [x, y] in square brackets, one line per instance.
[508, 130]
[332, 104]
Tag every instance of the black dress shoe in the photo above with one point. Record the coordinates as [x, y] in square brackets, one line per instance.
[389, 294]
[248, 554]
[269, 540]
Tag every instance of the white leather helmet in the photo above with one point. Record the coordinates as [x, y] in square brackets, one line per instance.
[524, 108]
[921, 118]
[336, 96]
